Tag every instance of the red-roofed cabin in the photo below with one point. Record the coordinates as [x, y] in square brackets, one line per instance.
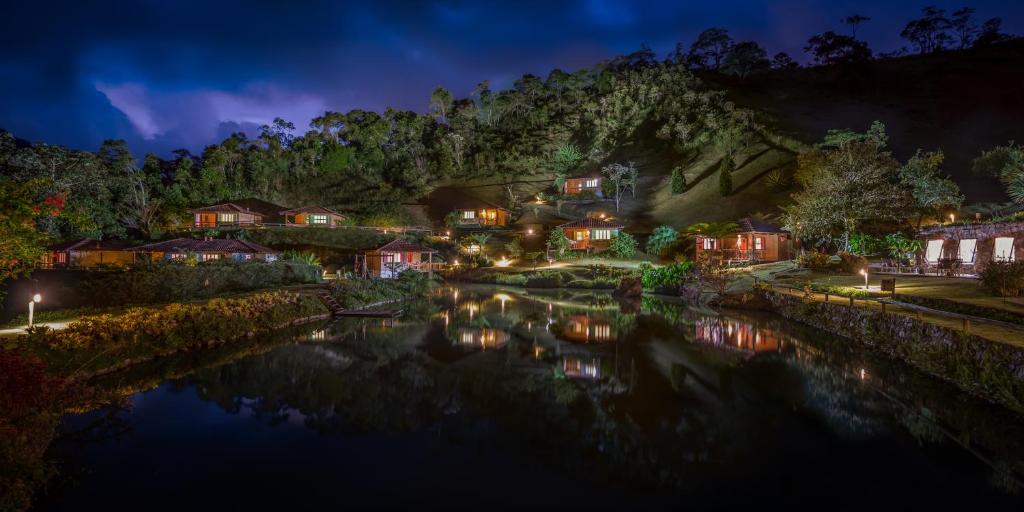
[395, 257]
[312, 216]
[207, 250]
[225, 215]
[483, 216]
[755, 242]
[585, 183]
[87, 253]
[590, 233]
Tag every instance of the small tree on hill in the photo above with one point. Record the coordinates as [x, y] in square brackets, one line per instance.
[744, 59]
[782, 60]
[623, 245]
[854, 21]
[558, 242]
[929, 33]
[708, 51]
[725, 176]
[622, 177]
[678, 180]
[829, 49]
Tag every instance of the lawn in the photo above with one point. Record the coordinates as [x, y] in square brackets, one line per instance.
[968, 291]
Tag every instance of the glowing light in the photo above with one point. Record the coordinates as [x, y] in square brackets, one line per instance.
[456, 263]
[864, 273]
[502, 262]
[603, 215]
[529, 231]
[863, 374]
[952, 218]
[37, 298]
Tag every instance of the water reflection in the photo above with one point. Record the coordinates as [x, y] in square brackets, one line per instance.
[613, 395]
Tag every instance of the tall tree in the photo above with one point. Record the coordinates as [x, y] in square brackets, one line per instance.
[622, 177]
[745, 58]
[930, 32]
[710, 48]
[782, 60]
[830, 49]
[963, 27]
[440, 104]
[991, 32]
[931, 192]
[854, 21]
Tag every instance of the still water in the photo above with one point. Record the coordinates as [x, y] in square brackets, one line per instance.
[487, 398]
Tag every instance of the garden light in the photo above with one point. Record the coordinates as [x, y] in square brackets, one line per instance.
[864, 273]
[32, 306]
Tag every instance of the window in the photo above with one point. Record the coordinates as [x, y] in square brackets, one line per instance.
[468, 214]
[578, 235]
[758, 243]
[1004, 249]
[227, 217]
[210, 257]
[967, 249]
[591, 183]
[177, 256]
[492, 214]
[934, 251]
[709, 244]
[602, 332]
[602, 234]
[318, 219]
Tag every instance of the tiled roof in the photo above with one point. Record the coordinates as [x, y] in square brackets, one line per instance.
[206, 246]
[311, 209]
[87, 244]
[225, 207]
[403, 246]
[596, 173]
[591, 222]
[748, 225]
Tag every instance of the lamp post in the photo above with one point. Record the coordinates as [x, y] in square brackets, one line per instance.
[952, 218]
[864, 273]
[32, 307]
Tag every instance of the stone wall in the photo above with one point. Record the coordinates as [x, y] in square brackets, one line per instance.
[985, 234]
[987, 369]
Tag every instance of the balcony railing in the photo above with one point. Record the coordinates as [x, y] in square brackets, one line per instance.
[225, 224]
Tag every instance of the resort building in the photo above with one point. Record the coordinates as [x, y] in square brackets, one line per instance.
[395, 257]
[239, 213]
[587, 183]
[590, 233]
[312, 216]
[87, 253]
[483, 215]
[755, 242]
[969, 248]
[206, 250]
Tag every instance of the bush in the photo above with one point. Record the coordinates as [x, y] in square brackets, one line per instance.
[776, 181]
[666, 277]
[1004, 279]
[545, 279]
[725, 176]
[843, 291]
[678, 180]
[558, 242]
[661, 239]
[623, 245]
[510, 279]
[815, 261]
[852, 263]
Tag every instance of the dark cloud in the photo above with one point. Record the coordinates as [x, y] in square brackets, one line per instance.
[186, 73]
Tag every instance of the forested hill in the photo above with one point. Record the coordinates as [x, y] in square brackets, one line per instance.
[656, 113]
[958, 101]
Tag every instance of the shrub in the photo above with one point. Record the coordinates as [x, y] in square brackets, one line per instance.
[852, 263]
[844, 291]
[545, 279]
[661, 239]
[815, 260]
[678, 180]
[1004, 279]
[666, 277]
[623, 245]
[866, 245]
[777, 181]
[511, 279]
[725, 176]
[558, 242]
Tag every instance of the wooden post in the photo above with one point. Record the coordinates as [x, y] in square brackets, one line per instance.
[430, 265]
[851, 302]
[826, 297]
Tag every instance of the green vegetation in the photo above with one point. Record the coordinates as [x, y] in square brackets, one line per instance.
[725, 176]
[333, 238]
[1005, 279]
[661, 240]
[558, 242]
[666, 278]
[20, 212]
[678, 180]
[1007, 164]
[622, 245]
[357, 293]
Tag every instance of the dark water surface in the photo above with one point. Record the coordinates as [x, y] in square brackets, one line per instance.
[487, 398]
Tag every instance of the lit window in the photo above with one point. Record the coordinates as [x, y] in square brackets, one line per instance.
[227, 217]
[967, 249]
[709, 244]
[579, 235]
[758, 243]
[602, 234]
[591, 183]
[1004, 249]
[468, 214]
[602, 332]
[492, 214]
[177, 256]
[934, 251]
[318, 219]
[210, 257]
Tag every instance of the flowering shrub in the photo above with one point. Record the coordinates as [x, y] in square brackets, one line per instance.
[815, 260]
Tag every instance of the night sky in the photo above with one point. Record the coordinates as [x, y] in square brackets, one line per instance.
[185, 73]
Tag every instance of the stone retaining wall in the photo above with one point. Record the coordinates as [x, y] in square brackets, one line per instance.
[988, 369]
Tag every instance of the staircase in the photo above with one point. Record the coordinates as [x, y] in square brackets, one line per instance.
[325, 296]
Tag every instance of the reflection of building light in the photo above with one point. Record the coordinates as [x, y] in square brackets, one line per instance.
[319, 335]
[537, 352]
[863, 374]
[602, 332]
[576, 367]
[529, 231]
[502, 262]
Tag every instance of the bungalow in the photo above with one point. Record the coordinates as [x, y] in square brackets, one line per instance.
[395, 257]
[755, 242]
[209, 249]
[87, 253]
[314, 216]
[482, 215]
[971, 247]
[241, 212]
[585, 329]
[590, 233]
[590, 182]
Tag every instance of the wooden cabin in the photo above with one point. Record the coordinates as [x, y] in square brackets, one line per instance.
[755, 242]
[587, 329]
[590, 233]
[209, 249]
[590, 183]
[736, 335]
[238, 213]
[969, 248]
[312, 216]
[395, 257]
[482, 216]
[87, 253]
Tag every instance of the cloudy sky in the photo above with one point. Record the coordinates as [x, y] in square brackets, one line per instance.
[186, 73]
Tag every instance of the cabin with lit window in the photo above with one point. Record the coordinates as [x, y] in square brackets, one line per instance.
[587, 329]
[590, 234]
[395, 257]
[966, 249]
[87, 253]
[482, 216]
[756, 241]
[209, 249]
[585, 184]
[249, 212]
[312, 216]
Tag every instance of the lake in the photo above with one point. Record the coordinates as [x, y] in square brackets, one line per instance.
[482, 398]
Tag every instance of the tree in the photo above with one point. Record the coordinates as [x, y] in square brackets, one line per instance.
[931, 192]
[875, 134]
[622, 245]
[744, 59]
[678, 181]
[661, 239]
[1007, 164]
[991, 32]
[829, 49]
[567, 157]
[21, 242]
[854, 21]
[440, 104]
[558, 242]
[622, 178]
[843, 189]
[782, 60]
[928, 33]
[963, 27]
[725, 176]
[710, 48]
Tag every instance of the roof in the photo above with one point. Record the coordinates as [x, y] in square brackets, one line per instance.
[269, 211]
[225, 207]
[403, 246]
[87, 244]
[591, 222]
[311, 209]
[595, 173]
[208, 245]
[749, 225]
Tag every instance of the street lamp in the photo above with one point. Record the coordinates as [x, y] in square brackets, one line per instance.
[32, 307]
[864, 273]
[952, 218]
